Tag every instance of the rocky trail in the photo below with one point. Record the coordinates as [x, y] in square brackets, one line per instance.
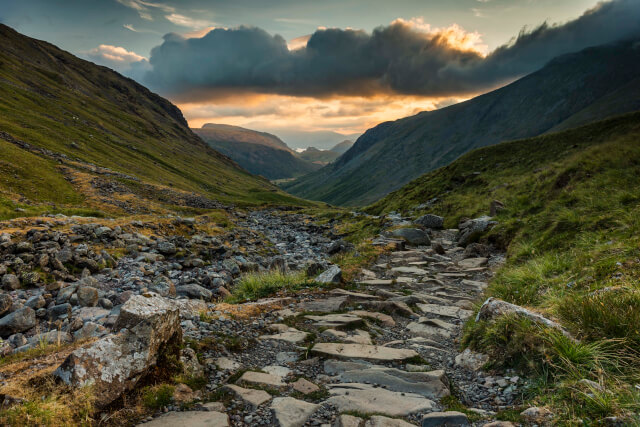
[383, 351]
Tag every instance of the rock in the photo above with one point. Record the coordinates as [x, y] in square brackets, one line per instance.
[338, 246]
[58, 311]
[413, 236]
[227, 364]
[500, 424]
[291, 335]
[182, 393]
[395, 307]
[472, 262]
[495, 207]
[337, 321]
[448, 419]
[380, 421]
[290, 412]
[87, 296]
[35, 302]
[471, 360]
[433, 385]
[476, 250]
[194, 291]
[494, 307]
[5, 303]
[191, 419]
[191, 365]
[365, 398]
[409, 270]
[166, 248]
[20, 320]
[163, 286]
[305, 387]
[347, 421]
[214, 407]
[253, 397]
[262, 379]
[10, 282]
[470, 230]
[190, 308]
[363, 352]
[332, 275]
[430, 221]
[150, 334]
[536, 415]
[438, 248]
[385, 319]
[51, 337]
[428, 328]
[88, 330]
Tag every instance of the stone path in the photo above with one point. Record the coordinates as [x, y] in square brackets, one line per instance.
[389, 348]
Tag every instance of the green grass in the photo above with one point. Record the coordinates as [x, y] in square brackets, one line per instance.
[253, 286]
[571, 230]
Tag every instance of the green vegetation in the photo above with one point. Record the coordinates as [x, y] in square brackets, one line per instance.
[157, 397]
[571, 229]
[253, 286]
[93, 116]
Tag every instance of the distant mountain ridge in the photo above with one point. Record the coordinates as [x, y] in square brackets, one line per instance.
[343, 146]
[260, 153]
[239, 134]
[569, 91]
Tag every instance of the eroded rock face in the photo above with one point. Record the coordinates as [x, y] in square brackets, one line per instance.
[149, 333]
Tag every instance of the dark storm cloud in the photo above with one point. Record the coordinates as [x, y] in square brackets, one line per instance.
[397, 58]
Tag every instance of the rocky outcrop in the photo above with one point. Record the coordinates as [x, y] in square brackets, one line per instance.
[430, 221]
[493, 308]
[471, 229]
[413, 236]
[150, 333]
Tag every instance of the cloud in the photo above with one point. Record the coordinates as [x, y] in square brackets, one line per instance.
[114, 55]
[120, 59]
[185, 21]
[144, 7]
[405, 57]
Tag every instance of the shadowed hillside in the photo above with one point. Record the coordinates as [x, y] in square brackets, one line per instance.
[78, 137]
[569, 91]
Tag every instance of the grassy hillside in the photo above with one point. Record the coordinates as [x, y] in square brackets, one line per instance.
[62, 119]
[258, 152]
[571, 229]
[570, 91]
[321, 157]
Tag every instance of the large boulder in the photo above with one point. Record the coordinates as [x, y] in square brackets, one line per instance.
[20, 320]
[193, 291]
[150, 335]
[413, 236]
[10, 282]
[430, 221]
[471, 229]
[332, 275]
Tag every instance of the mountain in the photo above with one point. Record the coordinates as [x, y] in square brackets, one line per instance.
[571, 90]
[322, 140]
[231, 133]
[342, 147]
[260, 153]
[80, 138]
[321, 157]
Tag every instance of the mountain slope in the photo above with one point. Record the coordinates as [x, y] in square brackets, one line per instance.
[260, 153]
[321, 157]
[343, 146]
[591, 84]
[99, 140]
[571, 231]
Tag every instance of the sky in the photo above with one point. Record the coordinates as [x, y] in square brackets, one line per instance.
[331, 65]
